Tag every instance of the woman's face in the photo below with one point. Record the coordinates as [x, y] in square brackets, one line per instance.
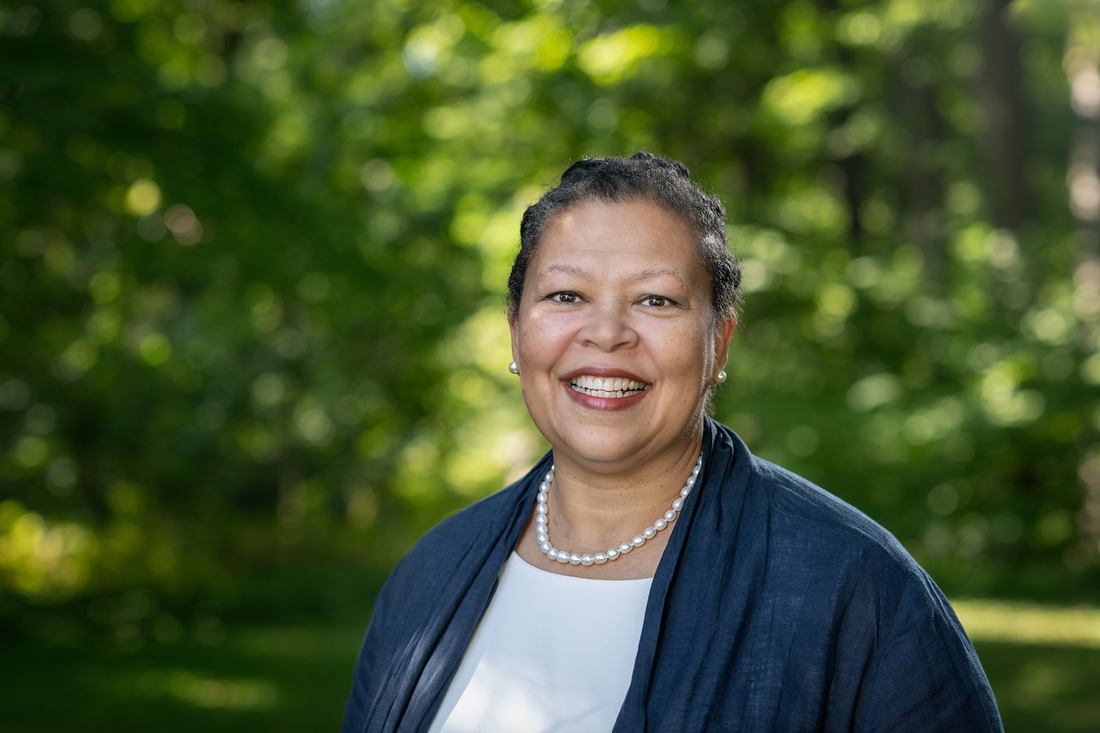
[615, 337]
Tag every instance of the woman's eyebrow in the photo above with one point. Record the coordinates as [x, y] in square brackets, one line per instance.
[568, 270]
[588, 275]
[654, 274]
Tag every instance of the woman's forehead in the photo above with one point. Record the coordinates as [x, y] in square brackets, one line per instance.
[636, 239]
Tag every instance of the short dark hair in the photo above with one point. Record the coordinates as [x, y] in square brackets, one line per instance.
[645, 177]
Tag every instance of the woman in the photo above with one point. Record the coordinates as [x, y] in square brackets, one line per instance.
[650, 573]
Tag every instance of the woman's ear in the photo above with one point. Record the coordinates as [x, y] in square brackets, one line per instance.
[513, 327]
[722, 336]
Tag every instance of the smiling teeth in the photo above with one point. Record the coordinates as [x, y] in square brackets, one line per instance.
[607, 388]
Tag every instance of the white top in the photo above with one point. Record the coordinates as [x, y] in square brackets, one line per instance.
[552, 653]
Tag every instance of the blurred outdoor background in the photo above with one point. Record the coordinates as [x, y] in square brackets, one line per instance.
[252, 340]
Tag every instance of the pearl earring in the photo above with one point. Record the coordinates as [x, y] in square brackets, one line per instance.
[720, 377]
[513, 368]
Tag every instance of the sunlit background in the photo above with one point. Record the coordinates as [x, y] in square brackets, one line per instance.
[252, 342]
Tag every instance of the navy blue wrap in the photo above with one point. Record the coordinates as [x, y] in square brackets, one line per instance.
[775, 606]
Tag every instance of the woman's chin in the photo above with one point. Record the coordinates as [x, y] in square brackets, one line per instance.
[608, 444]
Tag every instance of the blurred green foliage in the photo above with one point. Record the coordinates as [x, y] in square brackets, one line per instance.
[252, 257]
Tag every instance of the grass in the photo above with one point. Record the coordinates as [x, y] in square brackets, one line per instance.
[295, 678]
[1044, 689]
[257, 679]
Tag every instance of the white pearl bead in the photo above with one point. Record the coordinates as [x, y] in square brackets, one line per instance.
[542, 523]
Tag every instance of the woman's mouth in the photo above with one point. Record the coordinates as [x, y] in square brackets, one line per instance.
[608, 388]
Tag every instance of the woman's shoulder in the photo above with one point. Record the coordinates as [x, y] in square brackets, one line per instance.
[475, 529]
[865, 603]
[805, 502]
[468, 524]
[801, 513]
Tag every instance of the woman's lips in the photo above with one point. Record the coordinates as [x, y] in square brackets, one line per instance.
[606, 391]
[607, 387]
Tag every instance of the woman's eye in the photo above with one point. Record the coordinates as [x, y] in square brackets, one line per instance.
[564, 297]
[655, 301]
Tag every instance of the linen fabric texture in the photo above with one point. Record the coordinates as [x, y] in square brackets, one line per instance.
[775, 607]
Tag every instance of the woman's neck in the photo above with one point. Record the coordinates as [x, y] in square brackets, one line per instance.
[594, 506]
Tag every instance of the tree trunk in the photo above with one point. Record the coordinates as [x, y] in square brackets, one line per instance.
[1004, 138]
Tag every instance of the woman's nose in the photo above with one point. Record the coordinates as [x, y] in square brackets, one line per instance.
[608, 327]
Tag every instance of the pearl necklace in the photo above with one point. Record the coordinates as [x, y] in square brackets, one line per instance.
[542, 524]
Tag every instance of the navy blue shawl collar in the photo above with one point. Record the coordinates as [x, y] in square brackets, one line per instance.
[775, 607]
